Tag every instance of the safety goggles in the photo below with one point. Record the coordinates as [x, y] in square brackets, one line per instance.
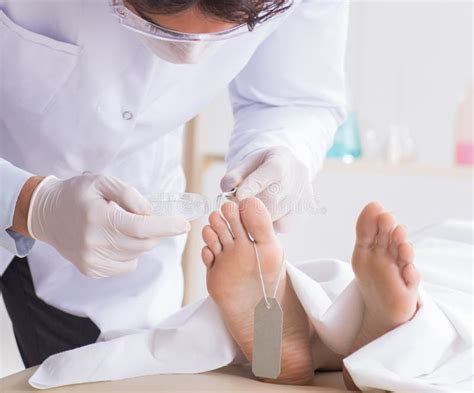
[133, 21]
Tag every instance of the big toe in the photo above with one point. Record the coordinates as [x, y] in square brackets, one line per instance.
[257, 220]
[367, 225]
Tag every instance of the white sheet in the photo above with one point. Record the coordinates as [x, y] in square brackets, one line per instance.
[433, 352]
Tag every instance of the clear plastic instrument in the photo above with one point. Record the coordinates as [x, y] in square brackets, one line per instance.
[188, 205]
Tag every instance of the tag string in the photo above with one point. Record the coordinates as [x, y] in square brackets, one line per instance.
[262, 283]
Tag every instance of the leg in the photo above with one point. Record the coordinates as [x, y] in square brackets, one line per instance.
[383, 265]
[233, 283]
[40, 329]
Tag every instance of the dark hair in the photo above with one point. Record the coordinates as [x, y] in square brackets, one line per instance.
[249, 12]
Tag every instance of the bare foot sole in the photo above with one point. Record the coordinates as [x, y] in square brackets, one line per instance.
[383, 265]
[233, 282]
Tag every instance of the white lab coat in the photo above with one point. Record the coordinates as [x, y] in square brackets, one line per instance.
[80, 93]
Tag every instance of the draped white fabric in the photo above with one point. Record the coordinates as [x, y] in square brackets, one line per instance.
[430, 353]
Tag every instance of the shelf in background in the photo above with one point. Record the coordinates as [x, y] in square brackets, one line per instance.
[409, 169]
[377, 167]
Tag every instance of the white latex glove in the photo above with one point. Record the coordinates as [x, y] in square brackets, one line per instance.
[276, 177]
[79, 218]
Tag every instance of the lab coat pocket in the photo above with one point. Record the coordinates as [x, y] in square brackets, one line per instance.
[33, 67]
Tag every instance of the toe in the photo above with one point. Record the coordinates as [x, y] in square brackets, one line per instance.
[207, 257]
[366, 227]
[257, 220]
[230, 211]
[220, 227]
[405, 254]
[411, 276]
[399, 235]
[386, 223]
[212, 240]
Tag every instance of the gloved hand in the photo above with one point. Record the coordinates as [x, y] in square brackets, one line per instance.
[276, 177]
[77, 216]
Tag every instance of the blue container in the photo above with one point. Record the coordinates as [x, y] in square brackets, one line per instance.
[346, 145]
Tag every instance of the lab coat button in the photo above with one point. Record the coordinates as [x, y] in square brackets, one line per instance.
[127, 115]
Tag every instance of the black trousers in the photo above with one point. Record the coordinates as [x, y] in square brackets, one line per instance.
[40, 329]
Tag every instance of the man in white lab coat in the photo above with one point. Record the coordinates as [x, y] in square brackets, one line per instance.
[94, 96]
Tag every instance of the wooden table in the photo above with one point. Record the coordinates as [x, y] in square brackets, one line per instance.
[227, 379]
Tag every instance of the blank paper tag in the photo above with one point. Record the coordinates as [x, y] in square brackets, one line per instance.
[267, 338]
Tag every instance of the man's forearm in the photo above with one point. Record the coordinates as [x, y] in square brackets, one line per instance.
[20, 217]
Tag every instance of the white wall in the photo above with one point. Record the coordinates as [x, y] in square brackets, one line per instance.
[409, 63]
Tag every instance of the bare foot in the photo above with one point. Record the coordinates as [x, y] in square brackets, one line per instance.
[233, 283]
[383, 265]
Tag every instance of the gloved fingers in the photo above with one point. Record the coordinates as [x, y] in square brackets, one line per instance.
[126, 196]
[115, 268]
[235, 176]
[268, 175]
[100, 268]
[276, 201]
[126, 247]
[143, 227]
